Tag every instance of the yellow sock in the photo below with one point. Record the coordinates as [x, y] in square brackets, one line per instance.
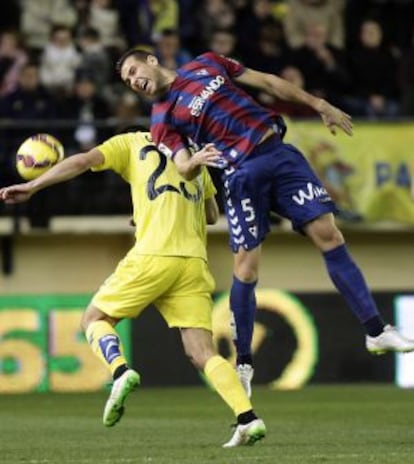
[106, 344]
[224, 379]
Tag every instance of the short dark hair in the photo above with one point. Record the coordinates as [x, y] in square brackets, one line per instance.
[134, 128]
[139, 53]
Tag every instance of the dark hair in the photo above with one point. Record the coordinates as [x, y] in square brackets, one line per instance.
[139, 53]
[60, 28]
[134, 128]
[90, 33]
[169, 32]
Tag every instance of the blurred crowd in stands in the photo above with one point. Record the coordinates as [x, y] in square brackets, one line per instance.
[57, 58]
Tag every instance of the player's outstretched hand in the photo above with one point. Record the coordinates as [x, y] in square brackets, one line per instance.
[16, 193]
[207, 156]
[334, 118]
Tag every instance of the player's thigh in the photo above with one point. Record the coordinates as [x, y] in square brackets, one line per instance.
[137, 281]
[247, 204]
[297, 194]
[189, 302]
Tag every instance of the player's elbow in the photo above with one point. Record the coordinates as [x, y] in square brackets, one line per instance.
[83, 162]
[212, 211]
[212, 219]
[79, 162]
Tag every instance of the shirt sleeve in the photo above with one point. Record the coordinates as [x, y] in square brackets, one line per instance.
[167, 139]
[116, 153]
[233, 67]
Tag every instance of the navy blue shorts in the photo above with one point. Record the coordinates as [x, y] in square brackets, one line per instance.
[274, 177]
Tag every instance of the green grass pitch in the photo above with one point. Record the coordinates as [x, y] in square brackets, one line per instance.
[356, 424]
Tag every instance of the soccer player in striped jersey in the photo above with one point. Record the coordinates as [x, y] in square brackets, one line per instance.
[167, 266]
[203, 102]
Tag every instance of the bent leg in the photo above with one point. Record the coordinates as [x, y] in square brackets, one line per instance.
[105, 343]
[344, 273]
[104, 340]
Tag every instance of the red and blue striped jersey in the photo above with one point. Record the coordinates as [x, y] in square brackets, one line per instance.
[204, 105]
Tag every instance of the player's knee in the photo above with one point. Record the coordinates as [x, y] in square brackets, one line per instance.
[246, 274]
[332, 238]
[90, 315]
[325, 234]
[246, 265]
[246, 270]
[199, 357]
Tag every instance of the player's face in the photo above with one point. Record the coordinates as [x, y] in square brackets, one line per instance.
[142, 77]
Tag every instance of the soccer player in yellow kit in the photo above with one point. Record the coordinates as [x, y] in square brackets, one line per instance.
[167, 266]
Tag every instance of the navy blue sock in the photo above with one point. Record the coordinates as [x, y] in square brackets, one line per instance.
[350, 283]
[243, 307]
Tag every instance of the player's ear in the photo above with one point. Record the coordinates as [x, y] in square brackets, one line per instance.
[152, 60]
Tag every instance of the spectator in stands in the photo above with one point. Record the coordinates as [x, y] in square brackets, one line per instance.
[186, 24]
[12, 59]
[250, 24]
[224, 42]
[168, 50]
[323, 65]
[127, 111]
[373, 67]
[88, 108]
[95, 59]
[269, 53]
[212, 15]
[26, 106]
[130, 14]
[406, 77]
[39, 17]
[164, 16]
[303, 13]
[396, 16]
[59, 60]
[30, 100]
[105, 19]
[83, 15]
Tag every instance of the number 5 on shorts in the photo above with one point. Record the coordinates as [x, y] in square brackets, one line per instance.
[248, 210]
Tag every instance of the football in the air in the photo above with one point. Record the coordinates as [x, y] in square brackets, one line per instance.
[37, 154]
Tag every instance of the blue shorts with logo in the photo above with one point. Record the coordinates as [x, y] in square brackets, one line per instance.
[274, 177]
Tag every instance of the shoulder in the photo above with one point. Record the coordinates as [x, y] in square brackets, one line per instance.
[203, 59]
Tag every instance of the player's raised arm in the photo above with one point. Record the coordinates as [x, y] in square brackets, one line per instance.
[280, 88]
[67, 169]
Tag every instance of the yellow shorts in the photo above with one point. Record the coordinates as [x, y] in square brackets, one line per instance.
[180, 288]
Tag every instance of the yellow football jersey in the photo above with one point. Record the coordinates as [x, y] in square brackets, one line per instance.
[169, 211]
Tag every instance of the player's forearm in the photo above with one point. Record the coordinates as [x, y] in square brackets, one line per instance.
[187, 166]
[65, 170]
[286, 91]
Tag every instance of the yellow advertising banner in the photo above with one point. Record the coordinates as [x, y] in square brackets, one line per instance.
[369, 174]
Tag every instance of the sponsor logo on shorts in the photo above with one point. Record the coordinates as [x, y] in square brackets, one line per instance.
[311, 193]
